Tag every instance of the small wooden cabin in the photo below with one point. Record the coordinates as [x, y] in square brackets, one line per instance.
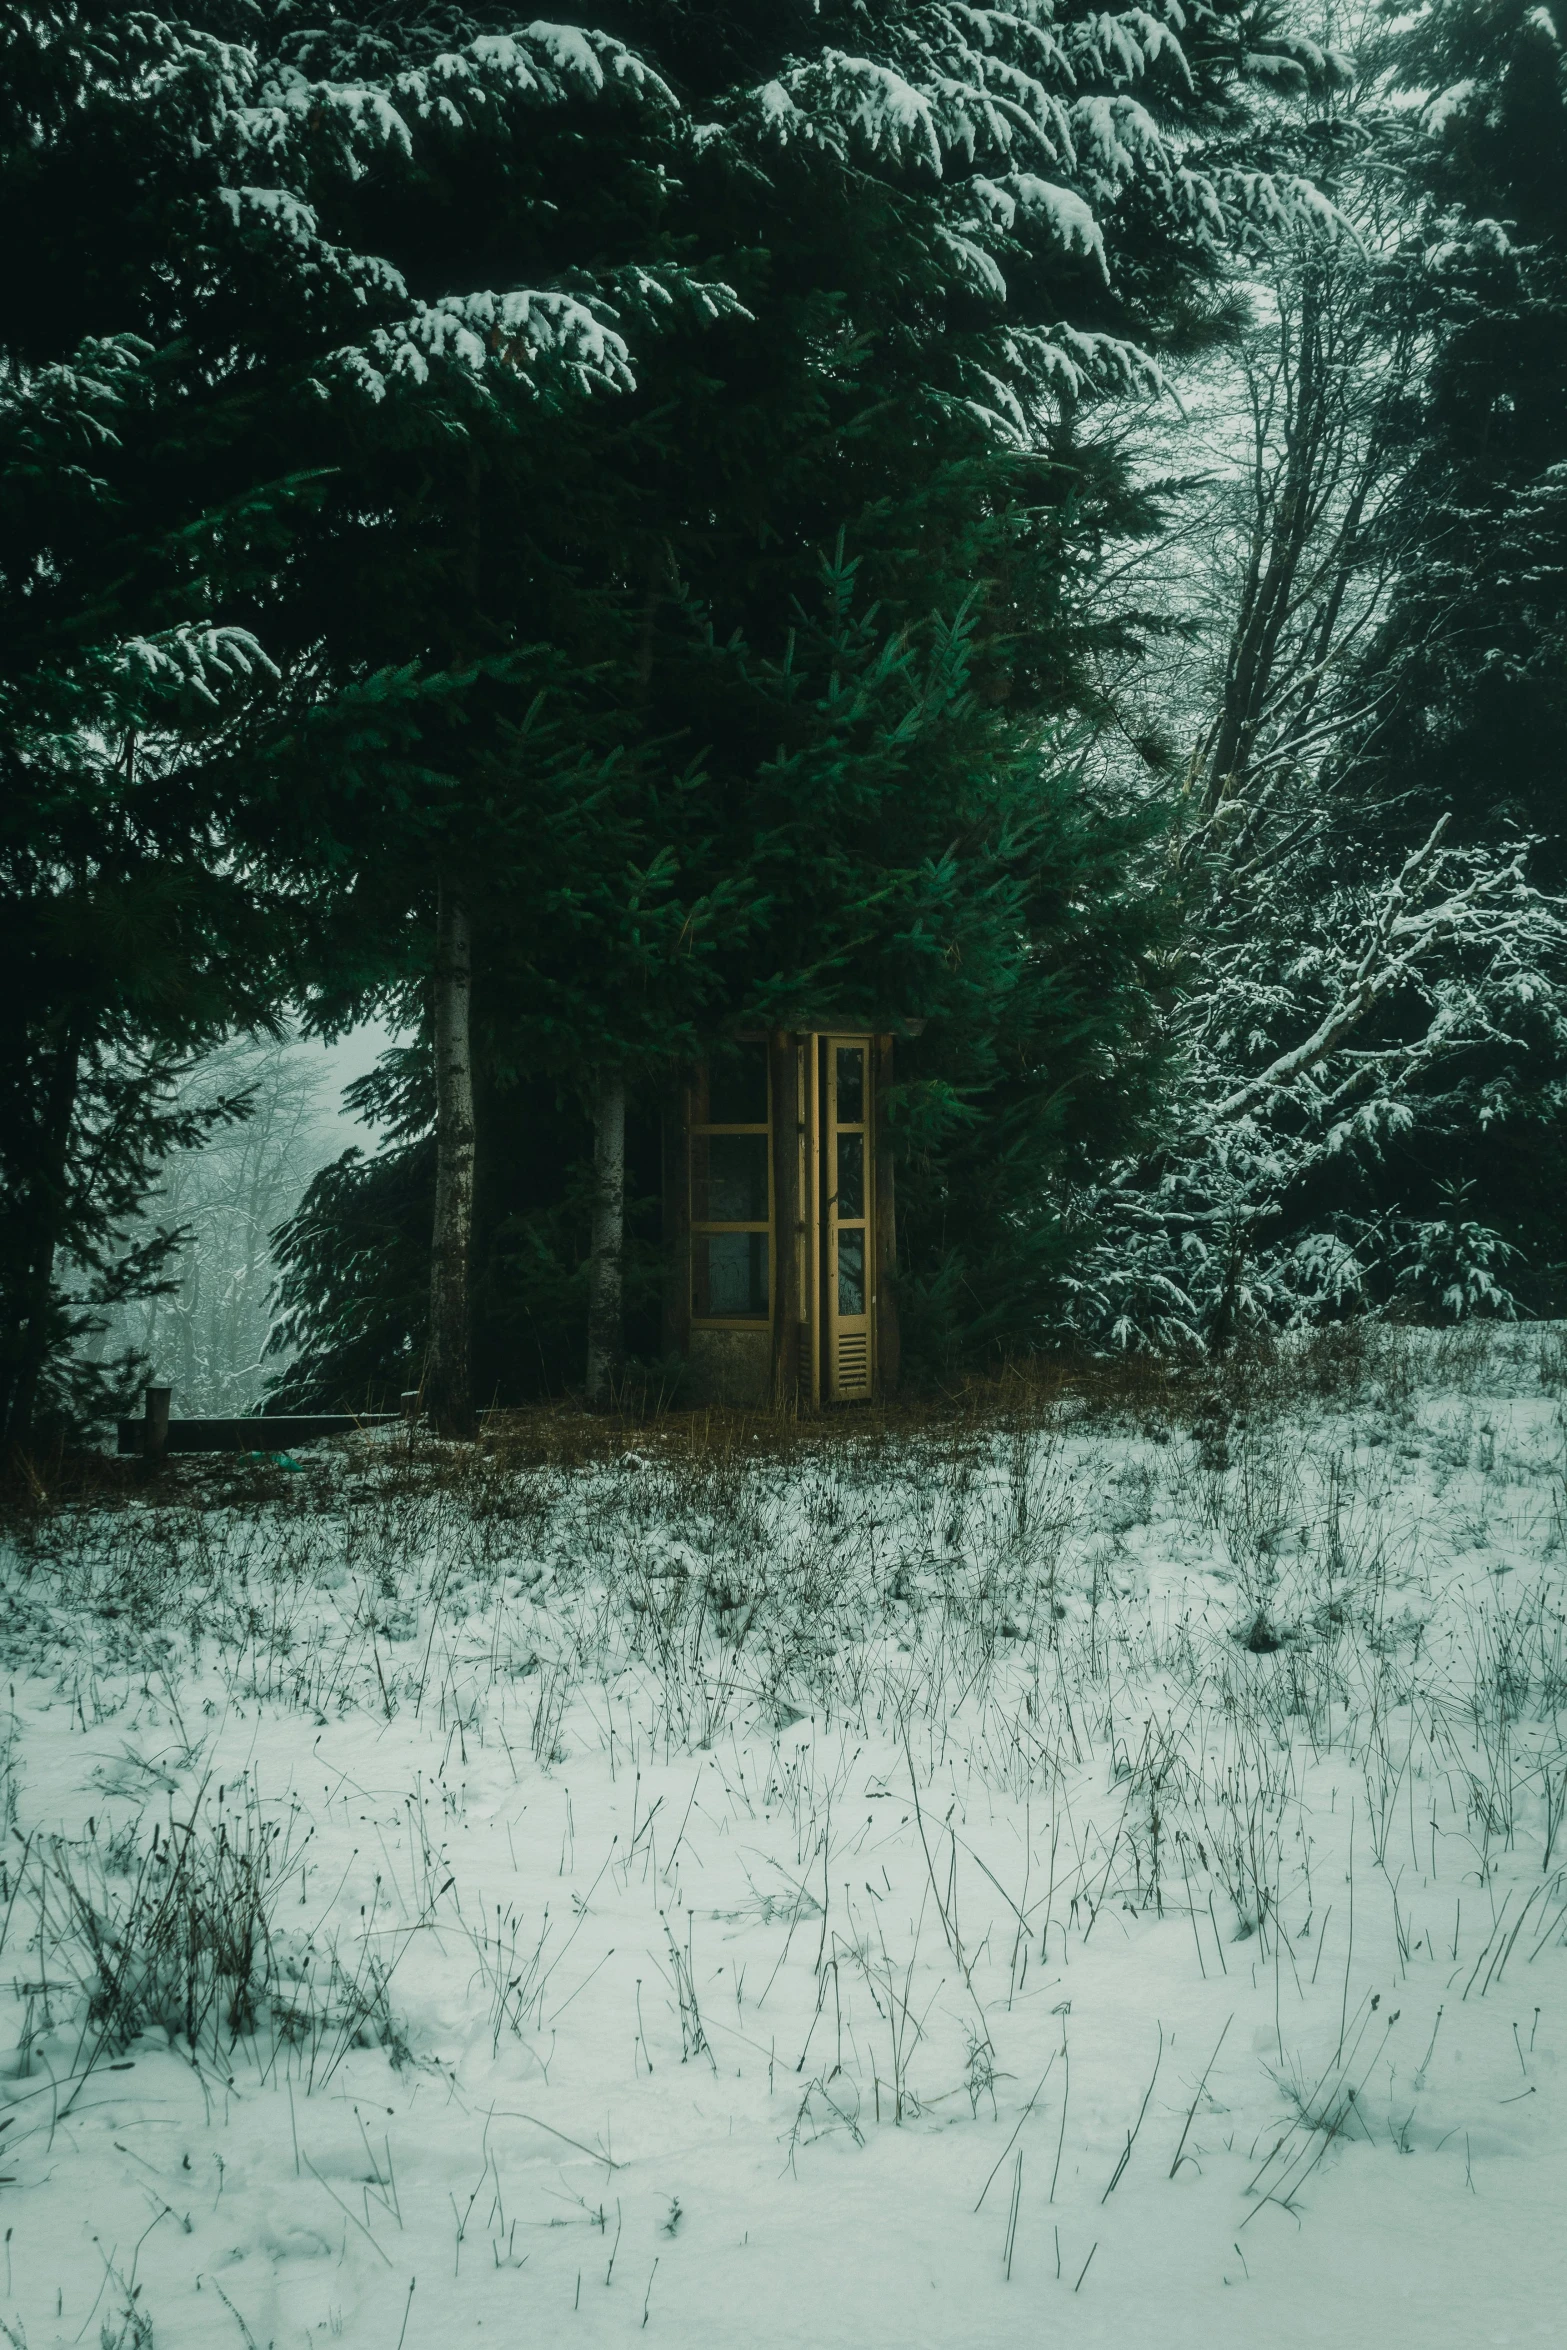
[778, 1223]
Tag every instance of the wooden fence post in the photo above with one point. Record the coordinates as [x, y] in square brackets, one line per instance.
[155, 1433]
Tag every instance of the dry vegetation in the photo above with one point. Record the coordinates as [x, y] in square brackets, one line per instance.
[1008, 1752]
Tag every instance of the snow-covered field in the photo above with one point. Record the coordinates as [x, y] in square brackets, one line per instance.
[868, 1893]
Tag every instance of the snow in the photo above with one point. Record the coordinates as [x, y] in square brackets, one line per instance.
[768, 1888]
[893, 118]
[1124, 46]
[520, 329]
[196, 657]
[1118, 141]
[1069, 220]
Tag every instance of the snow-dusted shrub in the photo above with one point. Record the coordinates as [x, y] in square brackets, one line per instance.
[1452, 1262]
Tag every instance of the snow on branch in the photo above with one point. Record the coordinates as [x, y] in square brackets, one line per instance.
[1442, 902]
[526, 332]
[544, 65]
[1118, 141]
[46, 409]
[1123, 47]
[280, 212]
[1022, 202]
[1284, 204]
[194, 658]
[242, 109]
[563, 334]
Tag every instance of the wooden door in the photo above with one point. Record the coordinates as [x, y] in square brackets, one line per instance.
[848, 1236]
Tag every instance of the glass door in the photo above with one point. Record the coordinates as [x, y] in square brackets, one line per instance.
[731, 1199]
[848, 1261]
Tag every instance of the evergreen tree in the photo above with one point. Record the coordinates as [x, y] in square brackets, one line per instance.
[1472, 663]
[944, 239]
[352, 292]
[194, 342]
[124, 527]
[1476, 645]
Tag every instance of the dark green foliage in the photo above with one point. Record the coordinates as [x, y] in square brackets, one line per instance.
[195, 422]
[656, 490]
[1474, 654]
[355, 1285]
[1476, 645]
[134, 518]
[903, 854]
[828, 786]
[356, 1280]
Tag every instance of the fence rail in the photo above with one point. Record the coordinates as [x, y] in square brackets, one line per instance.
[157, 1433]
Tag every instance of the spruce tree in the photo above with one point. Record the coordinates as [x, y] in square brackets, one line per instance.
[130, 533]
[1476, 646]
[485, 405]
[943, 242]
[197, 346]
[1473, 660]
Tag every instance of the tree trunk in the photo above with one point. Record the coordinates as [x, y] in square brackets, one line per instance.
[606, 1268]
[448, 1396]
[30, 1333]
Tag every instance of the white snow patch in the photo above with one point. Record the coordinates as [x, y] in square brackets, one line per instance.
[858, 1896]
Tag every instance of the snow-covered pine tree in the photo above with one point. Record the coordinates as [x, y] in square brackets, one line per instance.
[1474, 654]
[951, 235]
[198, 327]
[288, 293]
[192, 328]
[1476, 642]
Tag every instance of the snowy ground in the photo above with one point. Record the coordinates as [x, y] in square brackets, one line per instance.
[870, 1896]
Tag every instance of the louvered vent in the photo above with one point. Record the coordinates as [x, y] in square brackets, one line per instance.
[854, 1362]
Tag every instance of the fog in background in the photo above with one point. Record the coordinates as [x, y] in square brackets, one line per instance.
[208, 1339]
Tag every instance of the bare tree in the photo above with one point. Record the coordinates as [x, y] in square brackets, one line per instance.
[1302, 555]
[1336, 972]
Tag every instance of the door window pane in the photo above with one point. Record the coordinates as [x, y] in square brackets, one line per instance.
[729, 1276]
[732, 1089]
[851, 1085]
[851, 1272]
[729, 1178]
[851, 1175]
